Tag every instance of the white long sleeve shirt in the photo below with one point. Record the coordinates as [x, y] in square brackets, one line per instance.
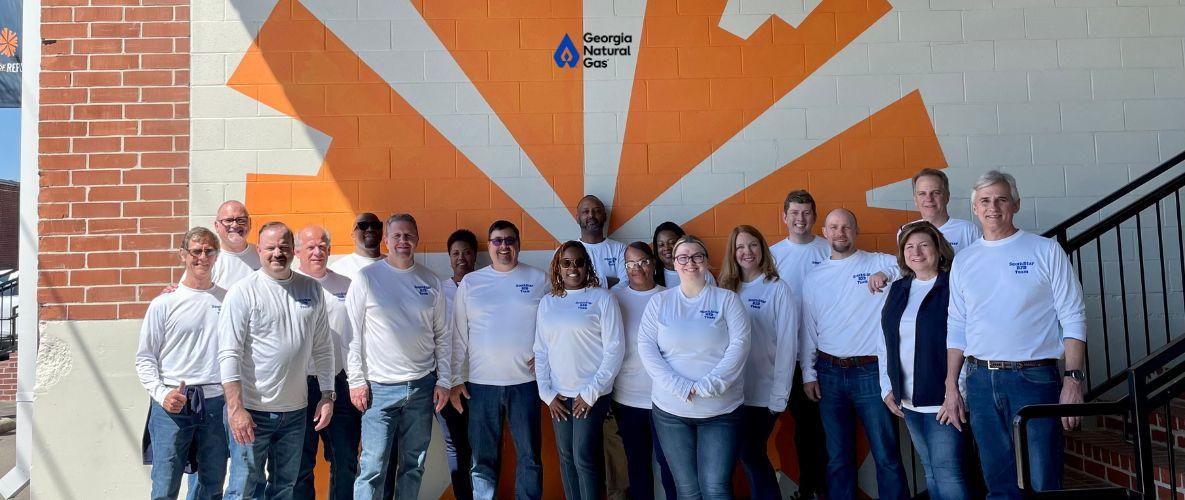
[673, 280]
[908, 331]
[632, 387]
[958, 232]
[793, 260]
[179, 342]
[267, 331]
[773, 318]
[349, 265]
[495, 325]
[608, 260]
[1008, 298]
[334, 286]
[230, 267]
[839, 315]
[578, 344]
[699, 342]
[402, 324]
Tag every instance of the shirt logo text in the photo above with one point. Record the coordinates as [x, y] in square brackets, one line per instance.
[583, 305]
[709, 313]
[756, 303]
[304, 303]
[1021, 267]
[861, 278]
[423, 289]
[524, 287]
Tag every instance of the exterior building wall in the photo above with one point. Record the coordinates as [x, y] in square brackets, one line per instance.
[153, 112]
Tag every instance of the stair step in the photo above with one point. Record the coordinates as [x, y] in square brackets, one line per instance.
[1156, 422]
[1104, 454]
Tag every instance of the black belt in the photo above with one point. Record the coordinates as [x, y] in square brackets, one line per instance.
[1011, 365]
[847, 362]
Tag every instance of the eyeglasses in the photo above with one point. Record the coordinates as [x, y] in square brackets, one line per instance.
[199, 252]
[573, 263]
[637, 264]
[697, 258]
[507, 241]
[368, 225]
[229, 221]
[403, 236]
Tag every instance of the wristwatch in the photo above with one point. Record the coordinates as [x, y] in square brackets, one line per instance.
[1074, 374]
[330, 395]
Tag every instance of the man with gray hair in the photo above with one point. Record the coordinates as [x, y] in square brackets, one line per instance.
[237, 258]
[272, 323]
[398, 362]
[341, 437]
[1015, 310]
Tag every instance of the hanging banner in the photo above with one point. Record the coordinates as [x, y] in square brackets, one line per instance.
[10, 54]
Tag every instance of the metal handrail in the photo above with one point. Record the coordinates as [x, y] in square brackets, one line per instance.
[1060, 231]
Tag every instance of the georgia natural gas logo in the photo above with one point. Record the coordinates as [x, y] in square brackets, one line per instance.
[596, 50]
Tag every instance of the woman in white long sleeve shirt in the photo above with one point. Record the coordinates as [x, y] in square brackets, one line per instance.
[693, 341]
[578, 351]
[631, 388]
[773, 316]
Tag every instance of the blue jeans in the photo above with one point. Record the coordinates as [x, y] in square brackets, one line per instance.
[521, 404]
[454, 427]
[172, 436]
[701, 452]
[279, 437]
[757, 425]
[941, 449]
[341, 440]
[580, 442]
[848, 393]
[993, 398]
[398, 422]
[637, 434]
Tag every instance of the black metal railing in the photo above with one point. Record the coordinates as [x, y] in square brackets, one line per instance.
[1132, 272]
[9, 295]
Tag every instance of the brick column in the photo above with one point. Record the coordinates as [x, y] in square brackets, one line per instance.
[113, 156]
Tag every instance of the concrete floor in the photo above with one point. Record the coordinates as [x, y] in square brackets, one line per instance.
[8, 447]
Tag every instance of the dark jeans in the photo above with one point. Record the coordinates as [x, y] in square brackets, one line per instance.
[340, 439]
[520, 403]
[809, 443]
[580, 443]
[701, 452]
[279, 437]
[637, 433]
[173, 434]
[941, 449]
[993, 398]
[757, 423]
[848, 393]
[454, 427]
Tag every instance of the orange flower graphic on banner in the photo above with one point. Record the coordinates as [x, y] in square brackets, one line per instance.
[8, 42]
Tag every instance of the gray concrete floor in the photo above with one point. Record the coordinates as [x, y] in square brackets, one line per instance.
[8, 446]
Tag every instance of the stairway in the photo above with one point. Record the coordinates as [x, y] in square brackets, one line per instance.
[1100, 454]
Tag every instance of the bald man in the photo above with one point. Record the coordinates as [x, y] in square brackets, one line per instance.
[238, 258]
[343, 435]
[840, 333]
[368, 236]
[608, 255]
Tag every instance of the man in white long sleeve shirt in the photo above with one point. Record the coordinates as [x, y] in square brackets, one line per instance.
[341, 437]
[177, 363]
[841, 328]
[368, 236]
[272, 323]
[237, 259]
[794, 256]
[1015, 309]
[495, 311]
[608, 255]
[931, 196]
[398, 363]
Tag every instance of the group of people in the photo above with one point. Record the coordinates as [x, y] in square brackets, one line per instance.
[251, 360]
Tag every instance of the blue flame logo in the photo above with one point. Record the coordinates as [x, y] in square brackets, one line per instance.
[566, 54]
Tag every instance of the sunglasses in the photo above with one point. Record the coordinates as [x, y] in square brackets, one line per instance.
[199, 252]
[368, 225]
[507, 241]
[573, 263]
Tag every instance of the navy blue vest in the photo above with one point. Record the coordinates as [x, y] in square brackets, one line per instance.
[929, 360]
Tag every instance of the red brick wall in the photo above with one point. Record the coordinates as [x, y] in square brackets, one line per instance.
[8, 379]
[113, 154]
